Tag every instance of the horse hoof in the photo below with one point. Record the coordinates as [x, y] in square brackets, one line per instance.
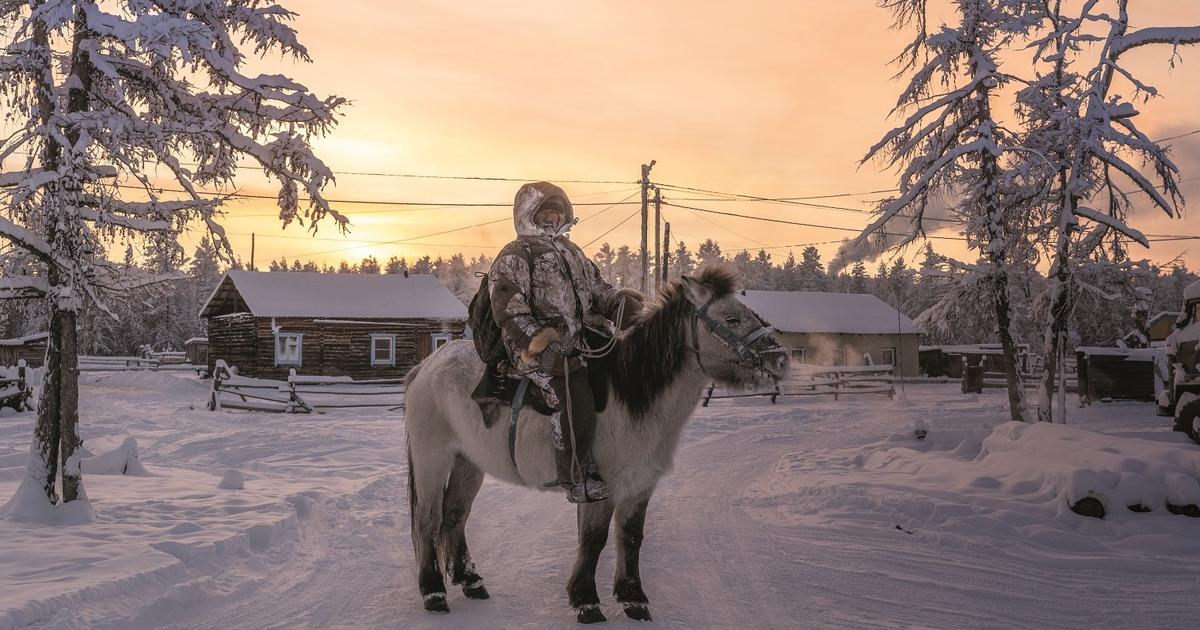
[436, 603]
[589, 614]
[476, 591]
[637, 612]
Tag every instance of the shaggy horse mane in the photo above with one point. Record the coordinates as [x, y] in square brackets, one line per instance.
[648, 358]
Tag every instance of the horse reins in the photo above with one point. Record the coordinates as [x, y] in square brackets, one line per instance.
[747, 356]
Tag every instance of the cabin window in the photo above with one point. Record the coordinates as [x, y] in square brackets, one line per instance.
[439, 340]
[889, 356]
[799, 355]
[839, 356]
[289, 348]
[383, 349]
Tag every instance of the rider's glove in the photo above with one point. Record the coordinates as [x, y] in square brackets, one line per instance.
[531, 356]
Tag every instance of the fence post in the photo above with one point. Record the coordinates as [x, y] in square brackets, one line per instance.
[708, 396]
[837, 385]
[22, 387]
[291, 389]
[219, 369]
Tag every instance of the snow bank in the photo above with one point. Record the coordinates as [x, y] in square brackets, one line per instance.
[175, 386]
[122, 460]
[1079, 463]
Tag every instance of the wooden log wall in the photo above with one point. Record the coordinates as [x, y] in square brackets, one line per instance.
[343, 348]
[232, 338]
[34, 353]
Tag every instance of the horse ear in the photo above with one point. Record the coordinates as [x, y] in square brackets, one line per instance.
[697, 293]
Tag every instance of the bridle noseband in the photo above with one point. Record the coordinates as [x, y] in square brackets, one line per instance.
[742, 346]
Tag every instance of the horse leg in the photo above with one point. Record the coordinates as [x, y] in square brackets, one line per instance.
[593, 519]
[465, 480]
[426, 483]
[627, 585]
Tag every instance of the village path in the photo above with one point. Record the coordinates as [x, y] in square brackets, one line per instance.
[771, 518]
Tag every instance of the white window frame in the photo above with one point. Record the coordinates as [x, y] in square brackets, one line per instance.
[884, 359]
[282, 352]
[391, 347]
[799, 355]
[841, 356]
[437, 340]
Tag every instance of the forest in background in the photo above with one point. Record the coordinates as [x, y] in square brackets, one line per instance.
[1116, 297]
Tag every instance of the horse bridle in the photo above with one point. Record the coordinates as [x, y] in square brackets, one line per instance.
[742, 346]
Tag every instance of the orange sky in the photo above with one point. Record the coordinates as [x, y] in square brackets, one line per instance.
[773, 98]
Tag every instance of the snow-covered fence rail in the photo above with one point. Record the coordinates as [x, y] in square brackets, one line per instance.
[300, 394]
[89, 363]
[837, 382]
[169, 357]
[16, 387]
[120, 364]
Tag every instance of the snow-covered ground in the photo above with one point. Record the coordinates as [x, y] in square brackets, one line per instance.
[808, 513]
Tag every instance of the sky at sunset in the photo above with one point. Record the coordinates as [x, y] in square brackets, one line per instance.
[774, 99]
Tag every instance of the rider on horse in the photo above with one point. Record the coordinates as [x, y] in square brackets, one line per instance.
[545, 294]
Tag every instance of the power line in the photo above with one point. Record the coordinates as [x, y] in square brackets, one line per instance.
[368, 202]
[611, 206]
[797, 223]
[606, 232]
[482, 179]
[415, 239]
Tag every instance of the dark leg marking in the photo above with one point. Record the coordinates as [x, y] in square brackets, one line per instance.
[593, 520]
[627, 585]
[465, 480]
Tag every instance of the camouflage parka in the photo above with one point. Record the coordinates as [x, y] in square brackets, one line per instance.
[567, 292]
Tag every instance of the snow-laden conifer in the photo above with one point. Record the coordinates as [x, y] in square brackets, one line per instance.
[115, 104]
[951, 143]
[1079, 114]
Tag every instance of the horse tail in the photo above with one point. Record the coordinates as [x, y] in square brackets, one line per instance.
[412, 497]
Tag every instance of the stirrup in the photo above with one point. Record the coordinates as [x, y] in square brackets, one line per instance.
[590, 490]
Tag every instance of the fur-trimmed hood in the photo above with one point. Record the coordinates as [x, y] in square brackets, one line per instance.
[530, 198]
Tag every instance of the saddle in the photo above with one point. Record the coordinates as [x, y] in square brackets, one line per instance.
[496, 392]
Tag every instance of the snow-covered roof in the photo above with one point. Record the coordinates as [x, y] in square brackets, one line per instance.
[816, 312]
[1172, 314]
[1130, 354]
[20, 341]
[1192, 292]
[334, 295]
[196, 340]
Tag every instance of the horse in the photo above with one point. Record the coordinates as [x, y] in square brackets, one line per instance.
[648, 386]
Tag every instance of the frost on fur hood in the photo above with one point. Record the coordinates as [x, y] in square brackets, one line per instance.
[530, 198]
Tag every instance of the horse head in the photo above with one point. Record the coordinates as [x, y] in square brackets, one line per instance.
[734, 346]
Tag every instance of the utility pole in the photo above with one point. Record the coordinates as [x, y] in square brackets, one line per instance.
[666, 249]
[251, 252]
[658, 249]
[645, 223]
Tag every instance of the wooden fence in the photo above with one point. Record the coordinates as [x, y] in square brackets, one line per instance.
[88, 363]
[300, 394]
[15, 387]
[832, 381]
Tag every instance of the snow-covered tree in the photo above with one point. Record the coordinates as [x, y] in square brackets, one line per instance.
[112, 101]
[951, 143]
[811, 271]
[858, 277]
[1082, 125]
[682, 262]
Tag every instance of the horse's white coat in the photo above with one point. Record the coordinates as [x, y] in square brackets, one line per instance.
[631, 456]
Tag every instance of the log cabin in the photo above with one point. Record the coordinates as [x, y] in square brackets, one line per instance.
[833, 329]
[363, 326]
[32, 348]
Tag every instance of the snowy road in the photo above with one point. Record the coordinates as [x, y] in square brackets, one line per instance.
[775, 516]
